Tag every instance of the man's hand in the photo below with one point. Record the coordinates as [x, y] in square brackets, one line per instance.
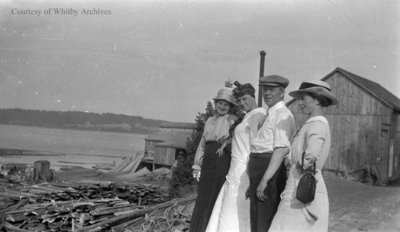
[287, 163]
[260, 191]
[196, 174]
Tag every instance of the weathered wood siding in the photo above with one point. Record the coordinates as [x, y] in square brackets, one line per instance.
[149, 145]
[394, 158]
[359, 125]
[164, 156]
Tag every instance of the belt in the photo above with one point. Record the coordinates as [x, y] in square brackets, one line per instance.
[259, 155]
[211, 142]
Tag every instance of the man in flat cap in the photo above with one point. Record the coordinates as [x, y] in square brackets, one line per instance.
[269, 146]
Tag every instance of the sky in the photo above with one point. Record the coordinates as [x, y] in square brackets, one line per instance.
[165, 59]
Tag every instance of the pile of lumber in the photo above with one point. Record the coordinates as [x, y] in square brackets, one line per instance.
[175, 218]
[73, 207]
[129, 164]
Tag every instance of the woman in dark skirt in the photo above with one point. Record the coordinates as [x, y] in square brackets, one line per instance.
[212, 162]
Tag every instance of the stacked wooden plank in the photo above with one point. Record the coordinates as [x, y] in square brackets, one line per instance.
[174, 218]
[74, 207]
[129, 164]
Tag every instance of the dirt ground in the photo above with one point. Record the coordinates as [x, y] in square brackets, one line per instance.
[359, 207]
[353, 206]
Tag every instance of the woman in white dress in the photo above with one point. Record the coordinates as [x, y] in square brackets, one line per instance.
[231, 211]
[313, 139]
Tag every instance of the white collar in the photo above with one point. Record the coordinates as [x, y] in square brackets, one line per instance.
[275, 107]
[258, 109]
[317, 118]
[223, 116]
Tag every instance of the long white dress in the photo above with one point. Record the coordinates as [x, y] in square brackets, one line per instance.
[313, 139]
[231, 211]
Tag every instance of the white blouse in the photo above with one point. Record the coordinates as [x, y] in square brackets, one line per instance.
[314, 139]
[215, 128]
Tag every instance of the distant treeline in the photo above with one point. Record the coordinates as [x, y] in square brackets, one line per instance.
[79, 120]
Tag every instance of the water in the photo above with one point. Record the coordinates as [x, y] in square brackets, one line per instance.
[82, 148]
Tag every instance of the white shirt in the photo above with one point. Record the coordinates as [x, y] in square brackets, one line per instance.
[277, 130]
[241, 138]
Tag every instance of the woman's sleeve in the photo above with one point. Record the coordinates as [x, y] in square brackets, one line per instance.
[199, 154]
[254, 121]
[200, 149]
[315, 140]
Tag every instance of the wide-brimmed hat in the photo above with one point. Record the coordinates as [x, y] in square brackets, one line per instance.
[308, 84]
[319, 88]
[226, 94]
[274, 81]
[243, 89]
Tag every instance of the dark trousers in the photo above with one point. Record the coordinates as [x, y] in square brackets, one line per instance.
[262, 212]
[213, 174]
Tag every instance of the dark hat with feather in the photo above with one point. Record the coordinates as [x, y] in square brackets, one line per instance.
[244, 89]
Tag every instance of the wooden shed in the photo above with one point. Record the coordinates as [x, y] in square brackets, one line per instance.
[162, 147]
[365, 126]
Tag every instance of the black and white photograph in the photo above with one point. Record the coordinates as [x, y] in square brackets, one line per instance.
[200, 115]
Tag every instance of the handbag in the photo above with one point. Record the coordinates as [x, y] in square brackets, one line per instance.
[306, 188]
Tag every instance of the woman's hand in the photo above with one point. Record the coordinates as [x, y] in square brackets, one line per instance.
[222, 139]
[247, 193]
[220, 150]
[196, 174]
[287, 162]
[260, 191]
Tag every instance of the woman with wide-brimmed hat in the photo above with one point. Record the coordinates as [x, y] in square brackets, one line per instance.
[212, 161]
[231, 211]
[312, 142]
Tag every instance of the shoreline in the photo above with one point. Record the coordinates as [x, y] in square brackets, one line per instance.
[58, 160]
[147, 132]
[6, 152]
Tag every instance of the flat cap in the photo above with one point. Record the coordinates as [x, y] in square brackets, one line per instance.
[274, 80]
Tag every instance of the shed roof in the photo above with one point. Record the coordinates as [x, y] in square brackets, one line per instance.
[176, 139]
[178, 125]
[179, 144]
[371, 87]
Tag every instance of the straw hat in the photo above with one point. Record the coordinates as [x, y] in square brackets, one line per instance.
[226, 94]
[308, 84]
[319, 88]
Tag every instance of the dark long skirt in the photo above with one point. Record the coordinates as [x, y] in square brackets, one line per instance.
[262, 212]
[213, 172]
